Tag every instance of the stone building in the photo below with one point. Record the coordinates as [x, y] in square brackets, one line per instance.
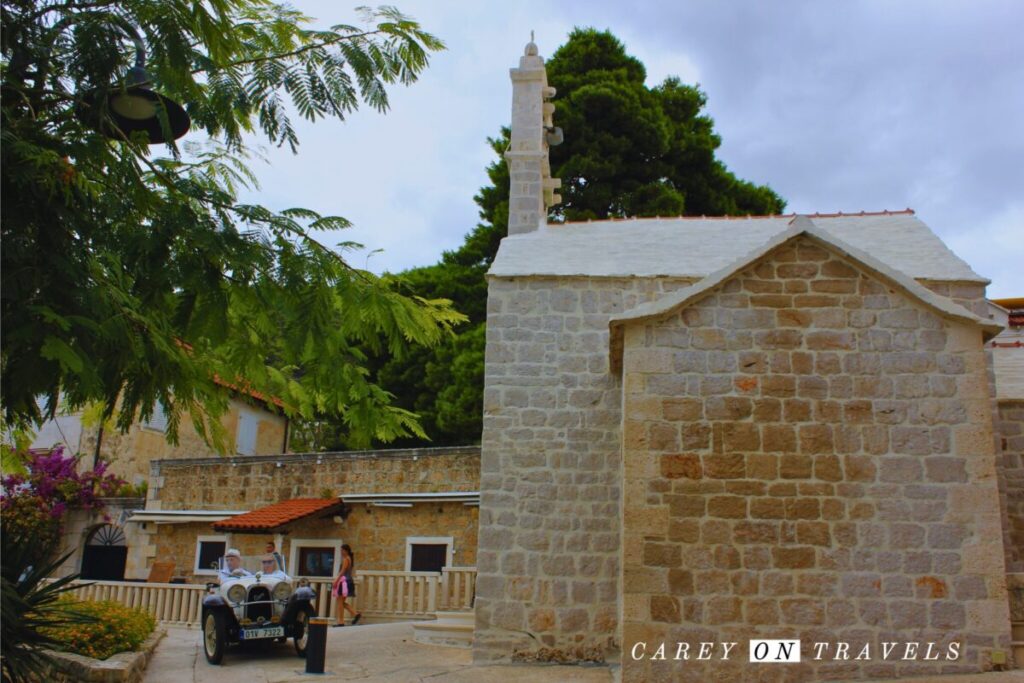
[400, 510]
[1008, 363]
[102, 546]
[726, 429]
[252, 425]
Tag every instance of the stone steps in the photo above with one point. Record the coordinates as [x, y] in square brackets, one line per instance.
[452, 629]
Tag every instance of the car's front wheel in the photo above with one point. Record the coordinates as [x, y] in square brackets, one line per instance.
[302, 628]
[215, 636]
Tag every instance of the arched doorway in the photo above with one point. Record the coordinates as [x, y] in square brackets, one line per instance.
[105, 554]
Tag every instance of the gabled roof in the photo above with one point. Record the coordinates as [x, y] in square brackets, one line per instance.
[800, 226]
[696, 247]
[280, 514]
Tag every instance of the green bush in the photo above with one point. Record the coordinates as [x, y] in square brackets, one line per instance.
[116, 628]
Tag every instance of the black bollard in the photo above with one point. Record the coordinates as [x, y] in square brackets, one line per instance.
[316, 646]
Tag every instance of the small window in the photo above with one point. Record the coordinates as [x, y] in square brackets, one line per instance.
[314, 557]
[428, 553]
[428, 557]
[158, 420]
[316, 562]
[209, 550]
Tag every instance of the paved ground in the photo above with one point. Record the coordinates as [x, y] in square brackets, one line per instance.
[385, 653]
[375, 652]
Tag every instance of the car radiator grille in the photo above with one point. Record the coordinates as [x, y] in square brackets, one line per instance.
[260, 595]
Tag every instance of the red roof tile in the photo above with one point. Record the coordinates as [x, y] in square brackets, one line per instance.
[242, 387]
[278, 514]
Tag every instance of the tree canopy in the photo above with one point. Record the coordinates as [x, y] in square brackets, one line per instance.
[629, 150]
[131, 273]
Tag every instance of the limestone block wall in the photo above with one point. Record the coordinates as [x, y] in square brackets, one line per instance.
[1011, 443]
[548, 555]
[80, 523]
[809, 454]
[245, 483]
[377, 535]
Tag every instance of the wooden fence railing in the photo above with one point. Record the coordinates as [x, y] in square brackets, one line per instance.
[385, 594]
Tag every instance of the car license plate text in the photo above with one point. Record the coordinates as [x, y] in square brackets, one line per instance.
[255, 633]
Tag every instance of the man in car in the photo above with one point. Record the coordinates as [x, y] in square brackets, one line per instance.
[232, 568]
[271, 568]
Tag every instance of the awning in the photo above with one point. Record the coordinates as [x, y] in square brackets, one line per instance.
[181, 516]
[470, 498]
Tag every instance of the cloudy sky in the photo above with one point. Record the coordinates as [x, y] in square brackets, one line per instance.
[839, 106]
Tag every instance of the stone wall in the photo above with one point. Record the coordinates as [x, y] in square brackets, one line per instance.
[245, 483]
[377, 534]
[808, 454]
[79, 525]
[1011, 442]
[548, 557]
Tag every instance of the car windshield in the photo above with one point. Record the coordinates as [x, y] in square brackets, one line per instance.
[249, 564]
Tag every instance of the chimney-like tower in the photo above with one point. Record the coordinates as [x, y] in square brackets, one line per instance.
[533, 189]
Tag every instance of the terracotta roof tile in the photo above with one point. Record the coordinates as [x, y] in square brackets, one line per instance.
[278, 514]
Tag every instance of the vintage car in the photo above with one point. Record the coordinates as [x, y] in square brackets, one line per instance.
[251, 605]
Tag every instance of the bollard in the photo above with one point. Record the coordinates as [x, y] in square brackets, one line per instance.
[316, 646]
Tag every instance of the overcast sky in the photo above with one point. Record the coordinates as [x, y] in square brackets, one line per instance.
[838, 106]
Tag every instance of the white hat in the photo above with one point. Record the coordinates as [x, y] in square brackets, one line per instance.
[233, 552]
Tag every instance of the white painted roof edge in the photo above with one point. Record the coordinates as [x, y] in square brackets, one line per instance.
[443, 496]
[182, 516]
[803, 225]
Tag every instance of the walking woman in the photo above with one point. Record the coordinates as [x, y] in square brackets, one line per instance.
[345, 588]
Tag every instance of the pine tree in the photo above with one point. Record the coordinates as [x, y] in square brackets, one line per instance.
[629, 150]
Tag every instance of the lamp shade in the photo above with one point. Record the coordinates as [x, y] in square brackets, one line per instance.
[119, 113]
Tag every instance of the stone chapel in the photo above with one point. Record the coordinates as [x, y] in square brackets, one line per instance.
[720, 429]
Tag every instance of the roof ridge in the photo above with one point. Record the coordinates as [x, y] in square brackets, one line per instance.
[616, 219]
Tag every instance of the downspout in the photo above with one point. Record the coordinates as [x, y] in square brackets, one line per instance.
[99, 441]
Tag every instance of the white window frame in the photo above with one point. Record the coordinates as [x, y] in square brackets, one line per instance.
[410, 541]
[297, 543]
[252, 416]
[157, 422]
[207, 539]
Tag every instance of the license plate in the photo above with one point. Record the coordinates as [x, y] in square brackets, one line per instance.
[256, 633]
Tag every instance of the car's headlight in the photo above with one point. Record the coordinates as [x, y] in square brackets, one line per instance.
[236, 593]
[282, 590]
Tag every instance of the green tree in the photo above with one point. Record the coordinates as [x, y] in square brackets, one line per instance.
[131, 274]
[629, 150]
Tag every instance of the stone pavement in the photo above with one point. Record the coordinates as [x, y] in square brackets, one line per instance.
[377, 652]
[387, 653]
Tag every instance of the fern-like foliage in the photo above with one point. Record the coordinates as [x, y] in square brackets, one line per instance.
[131, 274]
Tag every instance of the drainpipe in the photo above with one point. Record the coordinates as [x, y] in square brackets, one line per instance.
[96, 453]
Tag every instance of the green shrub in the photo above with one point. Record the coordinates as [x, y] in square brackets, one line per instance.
[116, 628]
